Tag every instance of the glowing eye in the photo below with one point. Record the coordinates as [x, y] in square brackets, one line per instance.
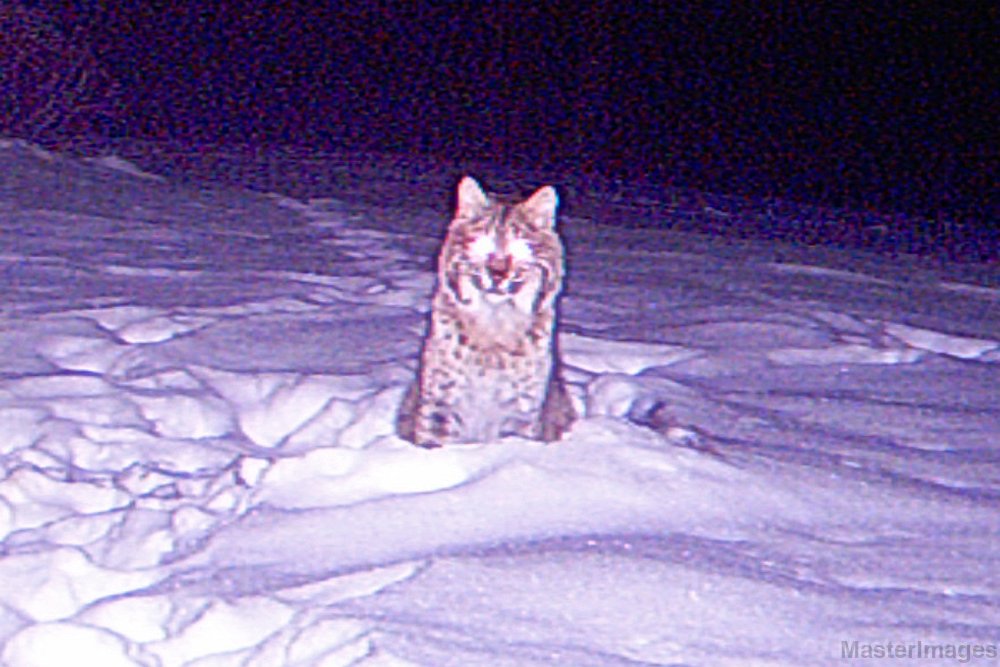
[482, 247]
[520, 250]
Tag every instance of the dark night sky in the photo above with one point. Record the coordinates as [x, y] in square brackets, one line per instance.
[892, 108]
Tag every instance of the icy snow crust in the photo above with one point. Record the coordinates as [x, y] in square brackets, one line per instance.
[783, 450]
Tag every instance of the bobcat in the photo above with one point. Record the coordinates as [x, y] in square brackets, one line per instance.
[490, 366]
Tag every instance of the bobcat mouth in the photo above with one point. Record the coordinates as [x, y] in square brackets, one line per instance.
[508, 288]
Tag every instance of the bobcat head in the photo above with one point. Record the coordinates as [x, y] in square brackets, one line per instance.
[499, 254]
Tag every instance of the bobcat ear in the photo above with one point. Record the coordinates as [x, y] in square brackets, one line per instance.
[471, 198]
[540, 208]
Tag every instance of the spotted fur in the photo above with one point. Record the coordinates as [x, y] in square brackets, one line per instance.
[490, 366]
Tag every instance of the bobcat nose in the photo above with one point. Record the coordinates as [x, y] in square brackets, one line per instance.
[499, 267]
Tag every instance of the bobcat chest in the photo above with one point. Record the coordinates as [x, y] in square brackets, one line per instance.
[491, 403]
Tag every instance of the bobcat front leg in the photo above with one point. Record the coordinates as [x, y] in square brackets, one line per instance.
[436, 420]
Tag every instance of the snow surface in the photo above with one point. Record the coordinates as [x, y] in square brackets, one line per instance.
[786, 449]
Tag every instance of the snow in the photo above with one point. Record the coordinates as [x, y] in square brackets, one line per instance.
[785, 449]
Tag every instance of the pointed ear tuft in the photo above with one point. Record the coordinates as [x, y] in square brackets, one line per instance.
[540, 207]
[471, 198]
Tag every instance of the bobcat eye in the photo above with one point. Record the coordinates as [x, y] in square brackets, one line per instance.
[520, 250]
[482, 247]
